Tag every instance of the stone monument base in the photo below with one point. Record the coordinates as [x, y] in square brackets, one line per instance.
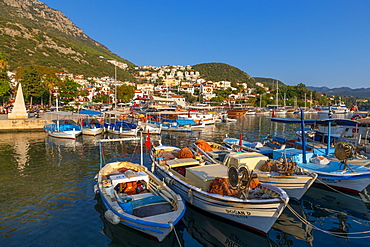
[17, 115]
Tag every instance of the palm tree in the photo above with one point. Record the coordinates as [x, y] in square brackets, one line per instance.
[51, 83]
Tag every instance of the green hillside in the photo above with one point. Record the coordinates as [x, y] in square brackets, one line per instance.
[33, 33]
[223, 72]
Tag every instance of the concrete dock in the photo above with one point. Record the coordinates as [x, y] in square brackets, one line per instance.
[31, 123]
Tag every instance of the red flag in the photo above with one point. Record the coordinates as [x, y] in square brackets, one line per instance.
[147, 141]
[241, 140]
[273, 113]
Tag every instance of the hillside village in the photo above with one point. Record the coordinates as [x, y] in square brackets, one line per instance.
[164, 81]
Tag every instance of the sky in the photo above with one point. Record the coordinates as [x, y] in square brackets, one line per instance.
[314, 42]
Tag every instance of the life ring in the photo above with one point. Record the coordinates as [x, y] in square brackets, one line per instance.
[123, 117]
[356, 117]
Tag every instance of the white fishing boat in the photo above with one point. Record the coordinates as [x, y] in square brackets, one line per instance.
[134, 197]
[92, 124]
[281, 173]
[341, 174]
[198, 117]
[63, 128]
[208, 187]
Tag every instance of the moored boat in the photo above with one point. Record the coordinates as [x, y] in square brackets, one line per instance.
[134, 197]
[196, 182]
[65, 128]
[91, 125]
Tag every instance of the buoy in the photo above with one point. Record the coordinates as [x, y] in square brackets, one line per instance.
[111, 217]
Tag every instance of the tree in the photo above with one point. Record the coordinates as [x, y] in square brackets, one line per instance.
[125, 93]
[4, 83]
[4, 79]
[31, 82]
[69, 91]
[3, 60]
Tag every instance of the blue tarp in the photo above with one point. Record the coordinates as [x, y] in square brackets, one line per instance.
[89, 112]
[320, 121]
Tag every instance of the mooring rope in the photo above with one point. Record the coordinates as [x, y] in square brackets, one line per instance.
[336, 234]
[177, 237]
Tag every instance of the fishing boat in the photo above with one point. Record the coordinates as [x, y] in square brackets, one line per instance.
[198, 117]
[63, 128]
[134, 197]
[334, 109]
[178, 125]
[122, 128]
[91, 125]
[282, 173]
[338, 174]
[218, 190]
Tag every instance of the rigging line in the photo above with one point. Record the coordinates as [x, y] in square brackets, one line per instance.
[338, 191]
[336, 234]
[177, 237]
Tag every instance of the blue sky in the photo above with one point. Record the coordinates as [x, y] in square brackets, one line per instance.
[315, 42]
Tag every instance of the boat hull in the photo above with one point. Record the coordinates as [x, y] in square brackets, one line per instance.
[295, 186]
[258, 216]
[92, 131]
[158, 225]
[348, 181]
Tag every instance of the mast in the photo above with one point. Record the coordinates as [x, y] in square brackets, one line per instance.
[277, 94]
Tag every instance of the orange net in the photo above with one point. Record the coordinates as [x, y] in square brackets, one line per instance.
[203, 145]
[222, 187]
[185, 153]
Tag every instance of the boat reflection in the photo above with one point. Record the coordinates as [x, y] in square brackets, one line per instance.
[62, 143]
[212, 231]
[326, 201]
[122, 235]
[289, 224]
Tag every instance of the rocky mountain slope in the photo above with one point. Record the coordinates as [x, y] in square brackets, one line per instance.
[33, 33]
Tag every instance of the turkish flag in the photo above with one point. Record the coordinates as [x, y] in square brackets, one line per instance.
[147, 141]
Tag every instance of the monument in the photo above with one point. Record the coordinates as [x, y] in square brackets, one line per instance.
[19, 108]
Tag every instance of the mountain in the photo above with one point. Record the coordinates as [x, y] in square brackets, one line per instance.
[223, 72]
[33, 33]
[343, 91]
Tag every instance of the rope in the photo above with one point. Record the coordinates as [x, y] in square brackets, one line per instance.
[177, 237]
[336, 234]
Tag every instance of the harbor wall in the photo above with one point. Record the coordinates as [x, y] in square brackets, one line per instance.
[17, 125]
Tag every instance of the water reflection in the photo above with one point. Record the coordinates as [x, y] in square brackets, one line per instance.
[209, 230]
[289, 224]
[122, 235]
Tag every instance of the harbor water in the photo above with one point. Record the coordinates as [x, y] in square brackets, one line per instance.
[47, 197]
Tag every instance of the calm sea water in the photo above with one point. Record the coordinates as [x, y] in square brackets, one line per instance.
[47, 198]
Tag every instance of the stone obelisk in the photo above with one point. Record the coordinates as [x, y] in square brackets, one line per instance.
[19, 109]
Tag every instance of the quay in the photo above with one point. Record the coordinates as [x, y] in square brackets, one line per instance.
[28, 124]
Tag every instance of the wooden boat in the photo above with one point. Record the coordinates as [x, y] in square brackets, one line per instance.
[178, 125]
[338, 174]
[122, 128]
[64, 128]
[196, 182]
[134, 197]
[235, 112]
[198, 117]
[281, 173]
[91, 125]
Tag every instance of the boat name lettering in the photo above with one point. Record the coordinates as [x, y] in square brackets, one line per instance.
[238, 213]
